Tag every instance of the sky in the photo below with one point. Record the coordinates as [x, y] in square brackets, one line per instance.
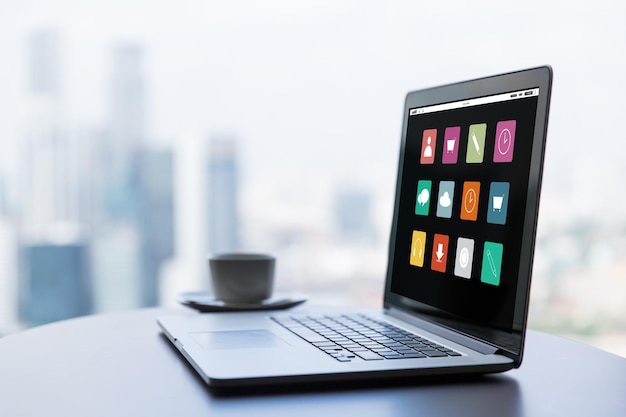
[317, 87]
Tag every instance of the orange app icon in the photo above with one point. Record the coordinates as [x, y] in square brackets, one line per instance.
[440, 253]
[469, 203]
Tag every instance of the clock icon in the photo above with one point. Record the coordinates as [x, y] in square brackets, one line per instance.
[504, 141]
[469, 202]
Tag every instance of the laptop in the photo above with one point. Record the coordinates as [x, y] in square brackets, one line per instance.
[459, 264]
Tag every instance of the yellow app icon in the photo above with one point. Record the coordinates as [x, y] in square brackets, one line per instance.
[418, 248]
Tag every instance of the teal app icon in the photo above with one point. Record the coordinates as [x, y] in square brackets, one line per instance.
[492, 263]
[498, 202]
[422, 201]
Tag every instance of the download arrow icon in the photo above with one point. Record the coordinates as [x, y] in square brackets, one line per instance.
[439, 252]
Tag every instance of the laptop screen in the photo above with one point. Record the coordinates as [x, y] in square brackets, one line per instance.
[461, 208]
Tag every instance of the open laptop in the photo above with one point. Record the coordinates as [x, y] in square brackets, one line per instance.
[460, 256]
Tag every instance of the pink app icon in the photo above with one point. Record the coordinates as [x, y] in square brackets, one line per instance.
[505, 141]
[451, 145]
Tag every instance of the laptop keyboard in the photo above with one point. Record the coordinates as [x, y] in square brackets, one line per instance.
[348, 337]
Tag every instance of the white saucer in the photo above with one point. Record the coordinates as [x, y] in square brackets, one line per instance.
[205, 302]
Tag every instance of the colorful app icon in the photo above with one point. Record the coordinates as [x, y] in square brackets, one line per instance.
[422, 201]
[464, 258]
[492, 263]
[429, 140]
[476, 143]
[418, 248]
[505, 141]
[498, 202]
[469, 204]
[440, 253]
[445, 199]
[451, 139]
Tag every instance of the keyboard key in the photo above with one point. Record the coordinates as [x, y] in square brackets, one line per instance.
[393, 356]
[368, 356]
[414, 355]
[308, 334]
[433, 353]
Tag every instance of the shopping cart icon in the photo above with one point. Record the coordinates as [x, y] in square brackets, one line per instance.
[497, 202]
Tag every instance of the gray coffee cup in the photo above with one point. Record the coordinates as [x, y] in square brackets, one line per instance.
[242, 277]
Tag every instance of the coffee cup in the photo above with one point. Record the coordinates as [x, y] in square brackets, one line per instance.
[242, 277]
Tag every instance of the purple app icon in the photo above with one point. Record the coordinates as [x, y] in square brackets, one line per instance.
[505, 141]
[451, 140]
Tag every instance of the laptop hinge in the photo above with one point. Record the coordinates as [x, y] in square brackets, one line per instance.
[459, 338]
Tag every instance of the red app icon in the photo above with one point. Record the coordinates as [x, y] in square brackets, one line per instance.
[429, 140]
[440, 253]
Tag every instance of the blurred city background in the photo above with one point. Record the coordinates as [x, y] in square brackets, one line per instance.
[138, 136]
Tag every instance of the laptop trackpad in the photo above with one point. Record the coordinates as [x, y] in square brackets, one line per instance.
[237, 339]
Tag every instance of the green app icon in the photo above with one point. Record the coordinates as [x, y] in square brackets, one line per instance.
[492, 263]
[476, 143]
[422, 200]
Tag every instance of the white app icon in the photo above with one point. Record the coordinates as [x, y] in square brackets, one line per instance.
[464, 257]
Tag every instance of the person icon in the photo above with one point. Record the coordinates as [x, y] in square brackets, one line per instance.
[429, 141]
[428, 149]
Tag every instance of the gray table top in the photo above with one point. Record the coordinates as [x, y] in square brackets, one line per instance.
[120, 365]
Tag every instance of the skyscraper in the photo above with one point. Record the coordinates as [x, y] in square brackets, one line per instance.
[56, 284]
[155, 180]
[125, 134]
[54, 274]
[134, 195]
[8, 264]
[223, 196]
[353, 214]
[52, 155]
[44, 63]
[128, 102]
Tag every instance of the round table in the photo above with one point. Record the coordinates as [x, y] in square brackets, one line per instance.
[121, 365]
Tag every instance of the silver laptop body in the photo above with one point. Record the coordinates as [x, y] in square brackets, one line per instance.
[460, 256]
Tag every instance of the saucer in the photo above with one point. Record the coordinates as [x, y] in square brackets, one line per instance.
[205, 302]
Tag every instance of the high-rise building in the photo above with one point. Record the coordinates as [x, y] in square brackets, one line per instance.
[223, 210]
[52, 177]
[128, 103]
[54, 271]
[134, 195]
[8, 265]
[155, 180]
[116, 268]
[125, 134]
[56, 284]
[45, 63]
[353, 214]
[117, 241]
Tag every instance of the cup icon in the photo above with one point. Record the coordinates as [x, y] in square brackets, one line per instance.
[450, 145]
